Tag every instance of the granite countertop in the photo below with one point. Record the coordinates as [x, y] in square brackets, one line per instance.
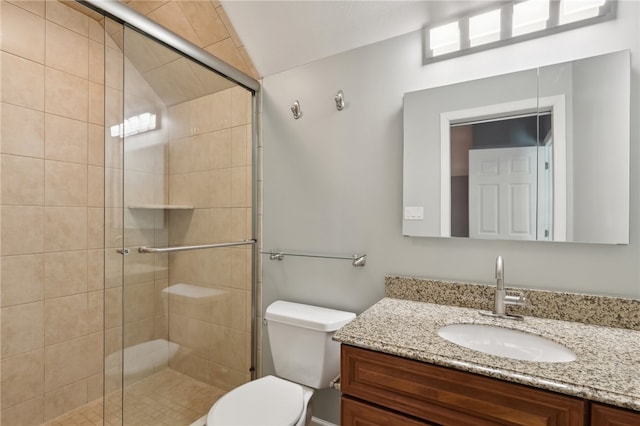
[607, 368]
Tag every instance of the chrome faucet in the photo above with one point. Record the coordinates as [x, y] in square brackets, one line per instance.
[501, 298]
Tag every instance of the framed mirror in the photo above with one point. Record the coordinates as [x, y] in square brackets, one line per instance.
[541, 154]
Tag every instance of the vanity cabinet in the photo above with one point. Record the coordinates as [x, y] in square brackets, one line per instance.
[377, 386]
[605, 415]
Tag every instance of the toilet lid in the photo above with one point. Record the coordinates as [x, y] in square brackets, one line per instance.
[266, 401]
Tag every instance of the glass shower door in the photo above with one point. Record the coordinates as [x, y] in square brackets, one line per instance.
[179, 144]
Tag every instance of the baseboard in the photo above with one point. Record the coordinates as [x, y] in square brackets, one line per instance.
[319, 422]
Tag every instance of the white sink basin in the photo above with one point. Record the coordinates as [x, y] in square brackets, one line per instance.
[505, 342]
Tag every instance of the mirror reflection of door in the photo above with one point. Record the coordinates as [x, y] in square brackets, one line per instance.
[495, 180]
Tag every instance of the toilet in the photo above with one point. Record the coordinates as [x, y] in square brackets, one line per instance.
[305, 358]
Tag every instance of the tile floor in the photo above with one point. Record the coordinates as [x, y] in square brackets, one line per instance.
[165, 398]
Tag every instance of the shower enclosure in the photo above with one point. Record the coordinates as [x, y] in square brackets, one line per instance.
[128, 224]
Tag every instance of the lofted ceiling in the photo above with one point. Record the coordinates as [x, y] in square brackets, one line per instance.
[280, 35]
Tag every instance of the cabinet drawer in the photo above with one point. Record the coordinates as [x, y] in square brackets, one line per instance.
[451, 397]
[604, 415]
[354, 412]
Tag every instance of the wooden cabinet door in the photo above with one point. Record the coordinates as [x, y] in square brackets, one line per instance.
[356, 413]
[605, 415]
[450, 397]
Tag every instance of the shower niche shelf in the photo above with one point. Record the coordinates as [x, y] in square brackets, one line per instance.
[161, 207]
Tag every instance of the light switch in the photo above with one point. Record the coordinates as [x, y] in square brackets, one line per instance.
[414, 213]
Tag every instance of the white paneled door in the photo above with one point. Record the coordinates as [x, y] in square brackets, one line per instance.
[502, 193]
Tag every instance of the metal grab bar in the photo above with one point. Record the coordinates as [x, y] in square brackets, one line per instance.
[144, 249]
[356, 259]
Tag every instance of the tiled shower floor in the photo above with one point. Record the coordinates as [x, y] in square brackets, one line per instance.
[165, 398]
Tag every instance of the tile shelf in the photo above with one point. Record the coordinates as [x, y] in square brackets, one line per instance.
[162, 207]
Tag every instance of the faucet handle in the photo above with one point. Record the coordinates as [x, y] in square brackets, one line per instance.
[515, 298]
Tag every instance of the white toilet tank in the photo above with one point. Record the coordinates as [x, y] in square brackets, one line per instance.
[301, 344]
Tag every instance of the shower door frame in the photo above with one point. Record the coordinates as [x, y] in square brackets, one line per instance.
[127, 17]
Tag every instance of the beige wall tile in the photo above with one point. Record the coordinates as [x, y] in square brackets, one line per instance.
[65, 139]
[22, 279]
[221, 225]
[220, 188]
[95, 351]
[250, 67]
[179, 151]
[22, 180]
[67, 50]
[33, 6]
[95, 270]
[221, 109]
[239, 224]
[204, 20]
[220, 149]
[178, 122]
[199, 189]
[67, 17]
[239, 146]
[134, 334]
[65, 228]
[95, 309]
[95, 176]
[239, 106]
[192, 334]
[227, 348]
[171, 16]
[65, 399]
[96, 103]
[22, 230]
[96, 145]
[95, 227]
[239, 261]
[22, 33]
[22, 328]
[26, 414]
[65, 184]
[138, 188]
[179, 192]
[66, 318]
[239, 187]
[65, 273]
[96, 31]
[22, 378]
[226, 50]
[22, 82]
[113, 71]
[65, 363]
[96, 61]
[22, 131]
[66, 95]
[95, 385]
[221, 267]
[228, 26]
[112, 307]
[200, 120]
[200, 152]
[139, 302]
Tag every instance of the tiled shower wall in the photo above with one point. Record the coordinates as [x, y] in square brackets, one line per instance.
[210, 157]
[51, 210]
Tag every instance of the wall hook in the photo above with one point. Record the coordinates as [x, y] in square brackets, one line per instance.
[339, 98]
[295, 109]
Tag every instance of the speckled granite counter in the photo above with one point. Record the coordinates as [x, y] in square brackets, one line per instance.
[607, 368]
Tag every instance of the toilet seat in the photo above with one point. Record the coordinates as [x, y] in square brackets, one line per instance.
[266, 401]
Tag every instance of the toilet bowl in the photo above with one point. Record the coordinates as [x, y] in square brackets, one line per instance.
[268, 401]
[305, 358]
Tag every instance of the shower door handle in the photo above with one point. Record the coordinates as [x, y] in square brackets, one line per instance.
[144, 249]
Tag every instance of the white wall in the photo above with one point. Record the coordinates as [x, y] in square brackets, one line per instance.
[333, 179]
